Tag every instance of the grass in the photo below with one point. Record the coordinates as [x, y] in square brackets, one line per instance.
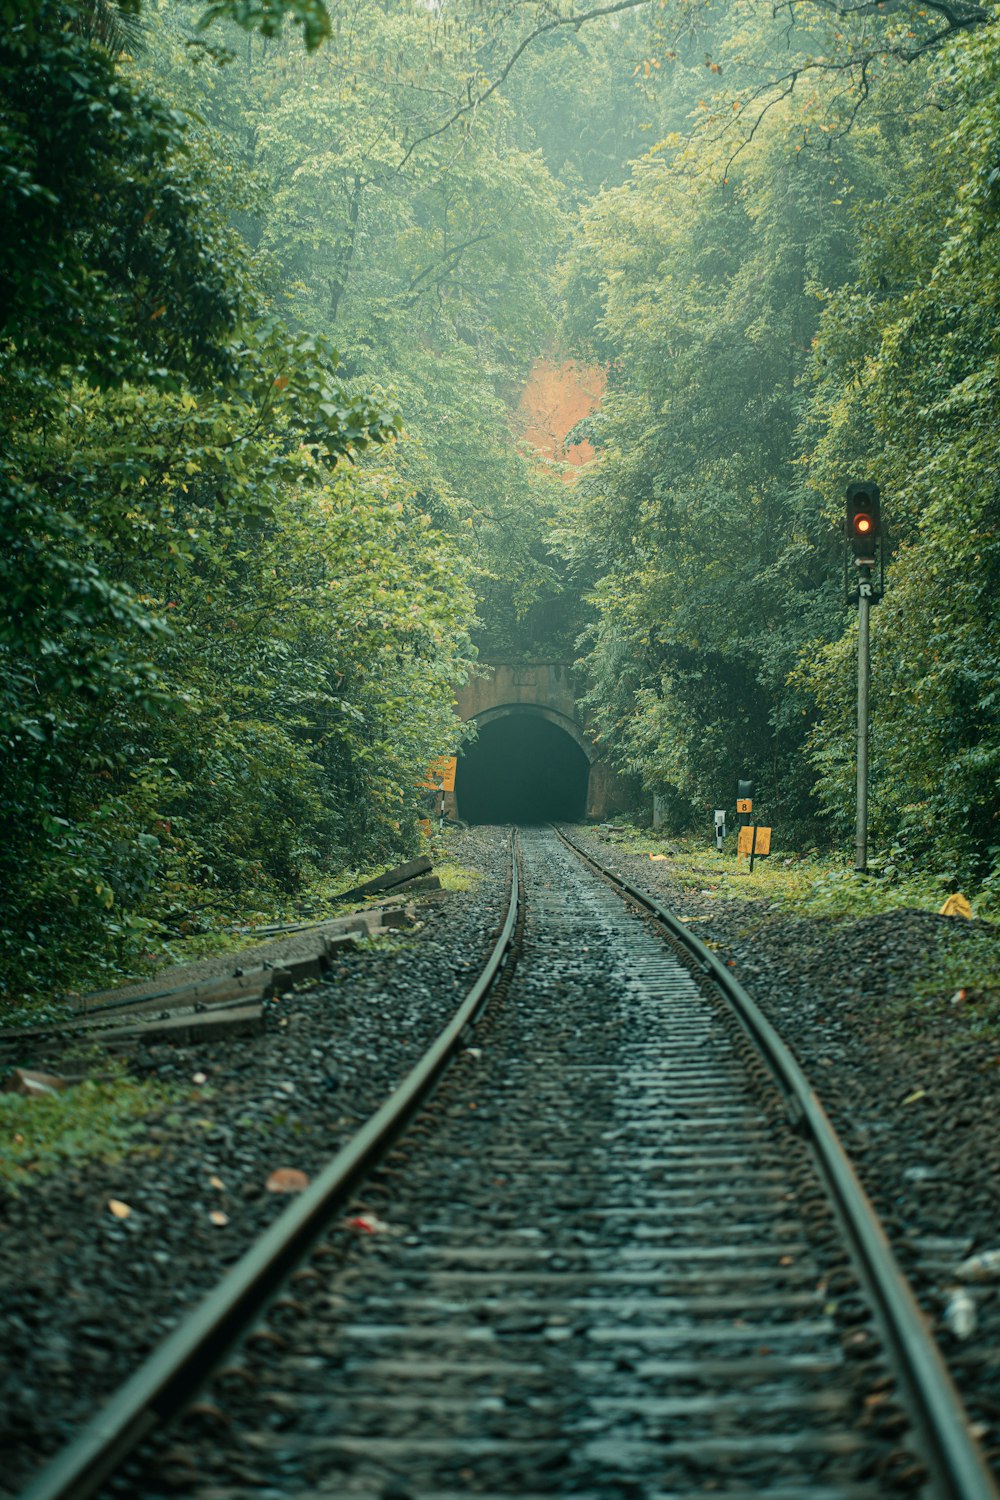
[97, 1120]
[811, 884]
[454, 877]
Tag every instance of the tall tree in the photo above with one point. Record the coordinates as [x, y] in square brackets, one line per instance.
[906, 381]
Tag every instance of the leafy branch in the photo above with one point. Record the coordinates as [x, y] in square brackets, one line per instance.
[905, 46]
[475, 99]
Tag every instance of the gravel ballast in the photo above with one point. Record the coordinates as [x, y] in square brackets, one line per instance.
[602, 1269]
[910, 1083]
[85, 1295]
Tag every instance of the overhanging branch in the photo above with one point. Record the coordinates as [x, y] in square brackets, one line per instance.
[474, 100]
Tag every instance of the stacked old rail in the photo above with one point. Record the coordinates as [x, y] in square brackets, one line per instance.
[225, 995]
[600, 1262]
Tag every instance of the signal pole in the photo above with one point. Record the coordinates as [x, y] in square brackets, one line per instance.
[863, 532]
[864, 682]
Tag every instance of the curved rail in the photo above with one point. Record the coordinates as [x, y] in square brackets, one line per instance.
[941, 1431]
[166, 1381]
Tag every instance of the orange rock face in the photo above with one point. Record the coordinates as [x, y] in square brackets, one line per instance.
[556, 397]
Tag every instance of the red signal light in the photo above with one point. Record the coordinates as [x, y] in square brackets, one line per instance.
[863, 521]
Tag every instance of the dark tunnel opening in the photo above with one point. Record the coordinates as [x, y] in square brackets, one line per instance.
[522, 769]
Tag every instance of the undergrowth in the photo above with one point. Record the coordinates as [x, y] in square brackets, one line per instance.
[812, 884]
[227, 931]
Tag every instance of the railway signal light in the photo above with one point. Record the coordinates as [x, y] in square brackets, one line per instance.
[864, 521]
[863, 533]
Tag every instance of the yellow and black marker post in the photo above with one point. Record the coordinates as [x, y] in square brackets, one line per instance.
[753, 841]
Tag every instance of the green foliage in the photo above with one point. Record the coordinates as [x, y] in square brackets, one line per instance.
[780, 320]
[300, 673]
[226, 659]
[128, 277]
[427, 261]
[694, 521]
[268, 17]
[241, 590]
[920, 396]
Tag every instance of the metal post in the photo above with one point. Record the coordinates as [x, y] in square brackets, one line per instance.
[864, 679]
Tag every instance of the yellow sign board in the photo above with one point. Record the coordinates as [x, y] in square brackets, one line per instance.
[744, 805]
[440, 774]
[746, 845]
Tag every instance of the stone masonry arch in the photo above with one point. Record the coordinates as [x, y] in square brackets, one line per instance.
[539, 711]
[508, 698]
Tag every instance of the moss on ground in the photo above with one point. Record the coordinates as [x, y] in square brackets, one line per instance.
[454, 877]
[96, 1120]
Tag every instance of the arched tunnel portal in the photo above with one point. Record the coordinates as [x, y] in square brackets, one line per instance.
[528, 764]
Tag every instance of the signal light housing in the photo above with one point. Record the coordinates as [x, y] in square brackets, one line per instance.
[863, 521]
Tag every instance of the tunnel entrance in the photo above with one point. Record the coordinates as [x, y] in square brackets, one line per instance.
[522, 769]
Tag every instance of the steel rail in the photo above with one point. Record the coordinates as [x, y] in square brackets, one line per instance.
[165, 1382]
[941, 1427]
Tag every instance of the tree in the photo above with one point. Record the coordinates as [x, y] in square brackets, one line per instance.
[165, 435]
[914, 390]
[429, 269]
[705, 310]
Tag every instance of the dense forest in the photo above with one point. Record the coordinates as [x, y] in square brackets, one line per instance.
[273, 276]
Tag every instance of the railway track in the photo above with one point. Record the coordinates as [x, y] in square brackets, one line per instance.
[599, 1263]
